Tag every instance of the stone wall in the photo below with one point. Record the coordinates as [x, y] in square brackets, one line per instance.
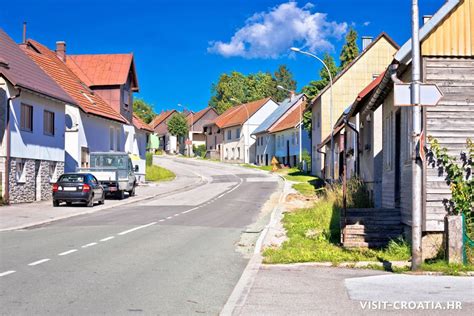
[36, 173]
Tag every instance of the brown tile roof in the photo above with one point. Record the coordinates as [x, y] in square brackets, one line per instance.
[103, 69]
[291, 120]
[22, 72]
[88, 101]
[160, 118]
[138, 123]
[237, 115]
[195, 117]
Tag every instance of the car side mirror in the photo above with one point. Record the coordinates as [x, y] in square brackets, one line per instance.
[136, 168]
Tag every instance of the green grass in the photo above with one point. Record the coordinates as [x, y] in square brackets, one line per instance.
[314, 235]
[307, 184]
[265, 168]
[441, 265]
[157, 173]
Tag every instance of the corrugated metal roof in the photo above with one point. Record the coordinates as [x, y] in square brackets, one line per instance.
[283, 107]
[21, 71]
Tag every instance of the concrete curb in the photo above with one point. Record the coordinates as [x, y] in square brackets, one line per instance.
[241, 290]
[126, 202]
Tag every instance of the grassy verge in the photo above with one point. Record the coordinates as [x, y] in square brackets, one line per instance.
[314, 233]
[306, 184]
[446, 268]
[157, 173]
[265, 168]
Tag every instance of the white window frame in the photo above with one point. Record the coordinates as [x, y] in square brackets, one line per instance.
[48, 119]
[24, 119]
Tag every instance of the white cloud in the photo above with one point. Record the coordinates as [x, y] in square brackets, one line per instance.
[366, 23]
[271, 34]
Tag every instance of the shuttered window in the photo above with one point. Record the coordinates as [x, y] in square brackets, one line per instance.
[26, 123]
[48, 123]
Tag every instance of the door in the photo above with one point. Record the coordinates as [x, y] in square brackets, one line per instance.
[96, 188]
[266, 159]
[397, 158]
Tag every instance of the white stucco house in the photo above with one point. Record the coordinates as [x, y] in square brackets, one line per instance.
[32, 109]
[101, 116]
[237, 125]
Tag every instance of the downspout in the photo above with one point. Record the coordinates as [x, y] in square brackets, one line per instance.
[7, 162]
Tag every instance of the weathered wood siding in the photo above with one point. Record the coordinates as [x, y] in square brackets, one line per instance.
[451, 122]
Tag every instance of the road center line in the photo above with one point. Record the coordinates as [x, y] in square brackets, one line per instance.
[107, 238]
[161, 220]
[89, 245]
[176, 215]
[38, 262]
[169, 217]
[136, 228]
[7, 273]
[67, 252]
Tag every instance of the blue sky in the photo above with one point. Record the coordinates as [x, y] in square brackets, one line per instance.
[181, 47]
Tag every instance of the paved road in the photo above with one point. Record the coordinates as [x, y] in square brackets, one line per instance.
[170, 255]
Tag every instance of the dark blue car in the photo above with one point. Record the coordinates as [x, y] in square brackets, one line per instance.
[78, 187]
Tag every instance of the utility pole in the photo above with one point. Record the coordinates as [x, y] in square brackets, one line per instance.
[416, 163]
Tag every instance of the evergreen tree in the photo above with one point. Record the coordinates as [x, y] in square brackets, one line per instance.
[350, 50]
[284, 78]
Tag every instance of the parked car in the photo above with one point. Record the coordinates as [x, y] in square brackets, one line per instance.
[115, 172]
[78, 187]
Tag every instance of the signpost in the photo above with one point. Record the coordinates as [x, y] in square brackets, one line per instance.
[429, 94]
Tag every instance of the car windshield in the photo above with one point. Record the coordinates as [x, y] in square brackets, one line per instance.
[74, 178]
[109, 161]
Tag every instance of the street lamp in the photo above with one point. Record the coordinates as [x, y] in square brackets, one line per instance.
[301, 122]
[248, 117]
[297, 50]
[192, 123]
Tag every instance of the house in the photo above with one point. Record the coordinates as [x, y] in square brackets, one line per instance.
[167, 142]
[266, 144]
[373, 59]
[214, 140]
[32, 111]
[236, 126]
[289, 137]
[103, 102]
[196, 123]
[447, 56]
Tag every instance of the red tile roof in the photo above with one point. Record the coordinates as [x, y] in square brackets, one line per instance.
[21, 71]
[237, 115]
[160, 118]
[195, 117]
[88, 101]
[138, 123]
[103, 69]
[291, 120]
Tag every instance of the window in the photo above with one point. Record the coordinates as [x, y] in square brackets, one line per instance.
[388, 141]
[84, 157]
[237, 133]
[233, 153]
[20, 170]
[210, 130]
[126, 100]
[297, 138]
[48, 123]
[26, 118]
[227, 153]
[118, 141]
[238, 152]
[229, 134]
[293, 138]
[111, 139]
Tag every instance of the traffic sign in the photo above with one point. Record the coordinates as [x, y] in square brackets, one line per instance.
[188, 142]
[429, 94]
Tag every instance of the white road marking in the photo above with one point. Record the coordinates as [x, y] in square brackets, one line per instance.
[89, 245]
[38, 262]
[161, 220]
[136, 228]
[7, 273]
[67, 252]
[221, 195]
[107, 238]
[176, 215]
[169, 217]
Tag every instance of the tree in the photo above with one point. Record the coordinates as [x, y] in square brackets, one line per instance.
[259, 86]
[177, 125]
[350, 50]
[284, 78]
[143, 110]
[315, 86]
[229, 86]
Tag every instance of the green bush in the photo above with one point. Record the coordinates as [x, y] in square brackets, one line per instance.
[306, 157]
[200, 150]
[149, 159]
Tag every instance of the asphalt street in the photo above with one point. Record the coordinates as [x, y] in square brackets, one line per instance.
[176, 254]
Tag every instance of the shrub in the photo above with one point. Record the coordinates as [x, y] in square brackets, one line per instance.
[149, 159]
[200, 150]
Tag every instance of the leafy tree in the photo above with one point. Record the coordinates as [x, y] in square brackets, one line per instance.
[259, 86]
[229, 86]
[350, 50]
[177, 125]
[284, 78]
[315, 86]
[143, 110]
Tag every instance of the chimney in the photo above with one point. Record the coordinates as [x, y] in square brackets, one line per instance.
[61, 50]
[292, 95]
[366, 40]
[24, 32]
[426, 18]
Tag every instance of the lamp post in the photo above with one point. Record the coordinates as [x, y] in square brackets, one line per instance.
[297, 50]
[301, 123]
[248, 117]
[192, 123]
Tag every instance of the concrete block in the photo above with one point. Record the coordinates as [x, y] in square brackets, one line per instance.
[454, 242]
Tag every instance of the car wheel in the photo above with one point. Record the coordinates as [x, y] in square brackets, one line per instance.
[55, 203]
[68, 203]
[132, 191]
[90, 203]
[121, 194]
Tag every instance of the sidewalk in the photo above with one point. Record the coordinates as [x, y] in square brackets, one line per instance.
[25, 215]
